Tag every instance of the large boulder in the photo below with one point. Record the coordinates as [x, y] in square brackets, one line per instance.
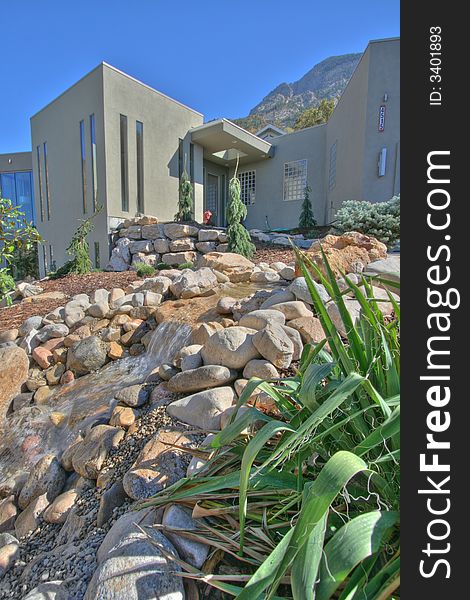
[179, 230]
[310, 329]
[179, 517]
[47, 477]
[14, 365]
[274, 345]
[195, 380]
[202, 409]
[179, 258]
[120, 256]
[350, 252]
[86, 355]
[258, 319]
[193, 283]
[300, 290]
[293, 310]
[232, 347]
[236, 267]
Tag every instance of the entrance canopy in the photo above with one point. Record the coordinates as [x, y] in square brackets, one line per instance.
[223, 142]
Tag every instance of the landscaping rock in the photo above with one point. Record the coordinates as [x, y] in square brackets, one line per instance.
[236, 267]
[112, 498]
[28, 520]
[31, 323]
[58, 511]
[181, 245]
[140, 246]
[43, 357]
[264, 277]
[47, 477]
[205, 247]
[14, 365]
[89, 455]
[232, 347]
[195, 380]
[258, 319]
[293, 310]
[300, 290]
[201, 334]
[152, 231]
[162, 246]
[202, 409]
[133, 395]
[8, 513]
[277, 297]
[42, 394]
[193, 283]
[287, 273]
[98, 310]
[9, 335]
[310, 329]
[274, 344]
[296, 340]
[179, 258]
[8, 554]
[86, 355]
[179, 230]
[166, 372]
[352, 306]
[52, 590]
[123, 416]
[178, 517]
[260, 368]
[225, 305]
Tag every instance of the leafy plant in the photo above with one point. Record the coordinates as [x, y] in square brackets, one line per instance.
[380, 219]
[306, 219]
[79, 249]
[7, 285]
[163, 266]
[306, 502]
[186, 265]
[185, 202]
[239, 240]
[25, 262]
[144, 270]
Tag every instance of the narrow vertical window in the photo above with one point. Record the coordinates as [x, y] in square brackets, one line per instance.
[191, 162]
[46, 181]
[44, 258]
[94, 180]
[41, 197]
[97, 255]
[51, 257]
[83, 157]
[180, 158]
[124, 165]
[139, 133]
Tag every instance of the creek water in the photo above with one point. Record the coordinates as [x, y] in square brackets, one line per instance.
[33, 431]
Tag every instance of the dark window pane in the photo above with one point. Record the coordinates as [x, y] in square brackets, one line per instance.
[139, 131]
[24, 194]
[83, 157]
[46, 181]
[124, 165]
[41, 198]
[94, 181]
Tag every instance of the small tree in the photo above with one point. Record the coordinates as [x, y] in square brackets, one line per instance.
[239, 239]
[185, 203]
[79, 249]
[306, 219]
[316, 115]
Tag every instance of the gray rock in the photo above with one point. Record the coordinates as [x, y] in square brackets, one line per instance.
[300, 290]
[162, 246]
[177, 517]
[232, 347]
[193, 283]
[126, 524]
[206, 247]
[34, 322]
[202, 409]
[47, 477]
[152, 232]
[258, 319]
[90, 454]
[179, 230]
[133, 395]
[30, 341]
[225, 305]
[100, 295]
[277, 297]
[166, 372]
[52, 590]
[54, 330]
[22, 400]
[140, 246]
[352, 306]
[98, 310]
[287, 273]
[208, 235]
[195, 380]
[74, 313]
[112, 498]
[181, 245]
[260, 368]
[178, 258]
[264, 277]
[87, 355]
[293, 310]
[8, 512]
[275, 345]
[28, 520]
[296, 340]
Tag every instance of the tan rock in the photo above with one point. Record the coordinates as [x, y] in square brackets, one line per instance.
[115, 350]
[8, 554]
[14, 366]
[310, 329]
[42, 394]
[8, 512]
[53, 374]
[9, 335]
[204, 331]
[29, 519]
[236, 267]
[58, 511]
[123, 416]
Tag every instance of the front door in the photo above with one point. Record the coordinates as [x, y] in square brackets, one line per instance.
[211, 200]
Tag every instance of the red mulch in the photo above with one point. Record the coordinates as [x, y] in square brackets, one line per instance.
[269, 254]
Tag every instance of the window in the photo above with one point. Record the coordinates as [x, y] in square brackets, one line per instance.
[180, 158]
[124, 165]
[94, 182]
[191, 162]
[139, 142]
[51, 258]
[83, 158]
[295, 179]
[44, 258]
[332, 169]
[97, 255]
[41, 198]
[247, 187]
[46, 181]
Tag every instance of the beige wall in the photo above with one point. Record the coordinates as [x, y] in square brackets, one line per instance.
[307, 143]
[58, 124]
[16, 161]
[165, 121]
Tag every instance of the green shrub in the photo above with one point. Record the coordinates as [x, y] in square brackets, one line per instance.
[309, 497]
[239, 240]
[185, 202]
[163, 266]
[306, 219]
[7, 284]
[144, 270]
[379, 219]
[186, 265]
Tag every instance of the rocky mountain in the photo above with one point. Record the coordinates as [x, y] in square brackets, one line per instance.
[287, 101]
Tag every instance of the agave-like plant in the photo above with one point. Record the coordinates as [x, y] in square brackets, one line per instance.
[306, 504]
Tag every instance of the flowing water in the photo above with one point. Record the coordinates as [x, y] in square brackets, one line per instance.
[30, 433]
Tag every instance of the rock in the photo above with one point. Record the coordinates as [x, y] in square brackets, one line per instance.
[42, 394]
[123, 416]
[388, 268]
[201, 334]
[232, 348]
[258, 319]
[162, 246]
[236, 267]
[54, 330]
[111, 498]
[193, 283]
[43, 357]
[133, 395]
[189, 356]
[13, 485]
[152, 299]
[274, 344]
[310, 329]
[31, 323]
[221, 277]
[101, 295]
[126, 524]
[208, 235]
[166, 372]
[90, 454]
[67, 377]
[226, 417]
[277, 297]
[136, 569]
[9, 335]
[120, 256]
[159, 284]
[179, 258]
[8, 512]
[264, 277]
[86, 355]
[177, 517]
[250, 303]
[47, 477]
[158, 465]
[26, 290]
[67, 454]
[52, 590]
[287, 273]
[28, 520]
[8, 554]
[206, 247]
[296, 339]
[134, 232]
[181, 245]
[29, 342]
[58, 511]
[22, 400]
[152, 231]
[202, 409]
[14, 365]
[179, 230]
[54, 374]
[258, 398]
[195, 380]
[98, 310]
[300, 290]
[74, 312]
[260, 368]
[293, 310]
[352, 306]
[225, 305]
[140, 246]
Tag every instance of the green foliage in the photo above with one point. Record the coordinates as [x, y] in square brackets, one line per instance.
[306, 219]
[163, 266]
[25, 262]
[144, 270]
[79, 249]
[379, 219]
[309, 497]
[316, 115]
[7, 284]
[239, 240]
[185, 202]
[186, 265]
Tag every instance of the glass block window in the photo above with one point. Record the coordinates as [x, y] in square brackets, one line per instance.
[247, 187]
[295, 179]
[332, 168]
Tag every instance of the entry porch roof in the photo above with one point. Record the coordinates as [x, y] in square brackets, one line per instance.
[223, 141]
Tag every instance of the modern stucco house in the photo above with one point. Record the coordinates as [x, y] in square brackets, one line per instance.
[112, 141]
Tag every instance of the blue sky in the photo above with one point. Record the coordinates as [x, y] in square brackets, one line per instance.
[218, 57]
